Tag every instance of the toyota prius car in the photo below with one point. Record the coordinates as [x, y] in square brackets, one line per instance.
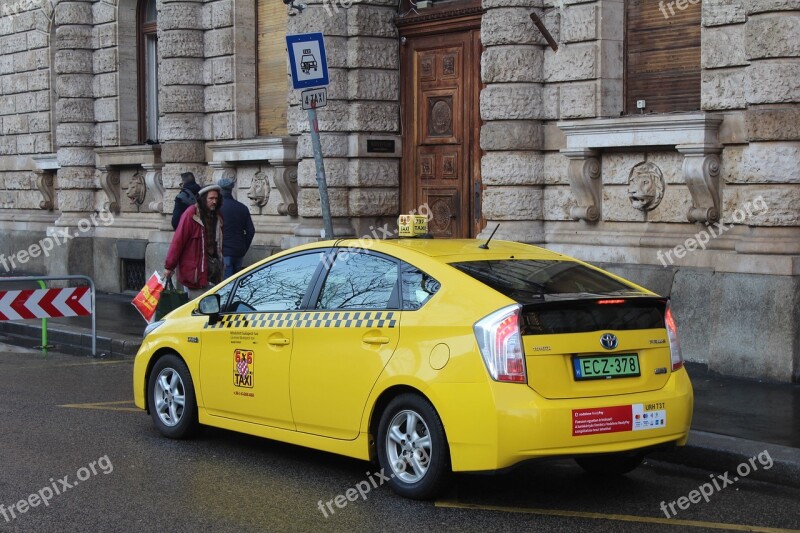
[427, 357]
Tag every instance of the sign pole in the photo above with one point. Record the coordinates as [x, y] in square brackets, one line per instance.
[321, 183]
[309, 66]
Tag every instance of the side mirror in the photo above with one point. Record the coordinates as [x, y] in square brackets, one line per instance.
[209, 306]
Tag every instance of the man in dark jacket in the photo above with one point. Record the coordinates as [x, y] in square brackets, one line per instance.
[185, 198]
[238, 229]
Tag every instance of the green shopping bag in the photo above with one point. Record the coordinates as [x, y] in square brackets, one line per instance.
[171, 299]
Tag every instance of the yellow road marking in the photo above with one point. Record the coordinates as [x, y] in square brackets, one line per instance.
[104, 406]
[618, 517]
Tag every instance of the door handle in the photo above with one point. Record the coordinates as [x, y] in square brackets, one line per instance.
[279, 342]
[376, 340]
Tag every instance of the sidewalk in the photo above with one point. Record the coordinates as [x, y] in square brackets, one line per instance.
[734, 419]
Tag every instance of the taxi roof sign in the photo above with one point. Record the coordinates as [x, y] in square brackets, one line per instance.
[412, 225]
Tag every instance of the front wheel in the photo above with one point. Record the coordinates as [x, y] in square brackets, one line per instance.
[613, 464]
[171, 398]
[412, 448]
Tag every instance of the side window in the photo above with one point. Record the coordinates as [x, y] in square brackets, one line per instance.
[360, 280]
[278, 286]
[418, 287]
[224, 292]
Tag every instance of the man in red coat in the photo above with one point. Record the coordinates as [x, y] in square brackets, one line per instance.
[196, 248]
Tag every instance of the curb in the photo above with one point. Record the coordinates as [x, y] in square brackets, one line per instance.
[70, 340]
[711, 451]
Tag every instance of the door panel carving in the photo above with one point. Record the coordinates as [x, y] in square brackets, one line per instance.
[441, 159]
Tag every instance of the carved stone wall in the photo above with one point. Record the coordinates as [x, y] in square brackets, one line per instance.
[363, 101]
[728, 212]
[512, 110]
[25, 105]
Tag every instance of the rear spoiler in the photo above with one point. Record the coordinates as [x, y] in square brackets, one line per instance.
[601, 313]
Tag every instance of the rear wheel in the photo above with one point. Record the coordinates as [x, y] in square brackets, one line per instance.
[613, 464]
[412, 448]
[172, 402]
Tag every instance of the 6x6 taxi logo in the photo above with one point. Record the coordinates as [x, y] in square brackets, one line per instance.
[243, 368]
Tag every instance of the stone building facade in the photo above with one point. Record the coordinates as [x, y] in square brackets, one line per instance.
[472, 111]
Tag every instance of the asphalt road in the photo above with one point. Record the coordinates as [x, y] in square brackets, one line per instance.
[71, 436]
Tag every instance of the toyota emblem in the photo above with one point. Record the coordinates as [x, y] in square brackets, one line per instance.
[609, 341]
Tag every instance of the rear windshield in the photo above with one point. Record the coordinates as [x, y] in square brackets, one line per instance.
[532, 281]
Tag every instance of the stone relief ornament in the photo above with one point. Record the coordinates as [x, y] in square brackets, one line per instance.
[109, 181]
[44, 182]
[645, 186]
[136, 189]
[286, 183]
[152, 179]
[259, 190]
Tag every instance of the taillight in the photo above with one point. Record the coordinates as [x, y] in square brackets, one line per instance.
[500, 343]
[672, 335]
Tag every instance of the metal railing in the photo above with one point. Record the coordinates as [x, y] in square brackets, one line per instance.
[40, 280]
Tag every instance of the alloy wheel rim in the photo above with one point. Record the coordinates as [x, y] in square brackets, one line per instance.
[170, 397]
[408, 446]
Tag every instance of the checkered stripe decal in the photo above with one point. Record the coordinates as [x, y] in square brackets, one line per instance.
[309, 319]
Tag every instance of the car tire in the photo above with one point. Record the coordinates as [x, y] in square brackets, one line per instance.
[172, 402]
[613, 464]
[415, 459]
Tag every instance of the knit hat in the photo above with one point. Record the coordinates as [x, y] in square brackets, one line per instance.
[209, 188]
[226, 183]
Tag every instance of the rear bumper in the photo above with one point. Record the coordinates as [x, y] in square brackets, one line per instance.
[524, 425]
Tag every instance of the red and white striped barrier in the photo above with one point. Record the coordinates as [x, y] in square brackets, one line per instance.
[45, 303]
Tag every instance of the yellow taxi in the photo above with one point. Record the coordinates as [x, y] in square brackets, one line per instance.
[426, 356]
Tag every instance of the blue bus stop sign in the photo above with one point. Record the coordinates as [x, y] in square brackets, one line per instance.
[308, 61]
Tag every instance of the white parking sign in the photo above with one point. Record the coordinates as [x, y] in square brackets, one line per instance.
[308, 61]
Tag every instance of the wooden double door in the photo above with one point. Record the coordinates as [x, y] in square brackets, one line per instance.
[440, 69]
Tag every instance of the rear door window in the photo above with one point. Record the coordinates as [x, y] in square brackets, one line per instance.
[359, 280]
[418, 287]
[534, 281]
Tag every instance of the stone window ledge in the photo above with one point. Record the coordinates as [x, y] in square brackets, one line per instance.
[140, 154]
[275, 151]
[695, 135]
[643, 131]
[146, 156]
[278, 152]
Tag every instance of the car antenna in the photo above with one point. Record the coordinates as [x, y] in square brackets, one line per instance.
[485, 246]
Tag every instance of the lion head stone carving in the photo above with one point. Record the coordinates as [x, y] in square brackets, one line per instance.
[136, 189]
[645, 186]
[259, 190]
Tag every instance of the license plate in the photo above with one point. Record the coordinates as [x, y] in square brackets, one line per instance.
[606, 366]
